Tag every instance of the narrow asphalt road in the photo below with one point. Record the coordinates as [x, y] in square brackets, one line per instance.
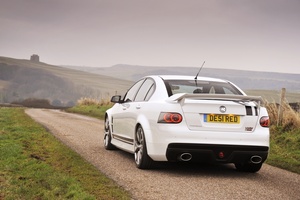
[168, 180]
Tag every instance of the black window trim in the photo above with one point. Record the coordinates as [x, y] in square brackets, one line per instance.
[147, 78]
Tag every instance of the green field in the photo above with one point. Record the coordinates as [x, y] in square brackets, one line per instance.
[285, 151]
[274, 95]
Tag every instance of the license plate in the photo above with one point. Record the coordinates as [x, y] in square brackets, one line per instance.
[216, 118]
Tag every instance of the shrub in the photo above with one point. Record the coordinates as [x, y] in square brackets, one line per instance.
[35, 103]
[290, 118]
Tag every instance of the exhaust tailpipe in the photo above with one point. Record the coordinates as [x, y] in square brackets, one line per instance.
[255, 159]
[185, 157]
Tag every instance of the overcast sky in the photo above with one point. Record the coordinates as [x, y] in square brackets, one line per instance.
[260, 35]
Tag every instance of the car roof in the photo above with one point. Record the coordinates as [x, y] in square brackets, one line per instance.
[179, 77]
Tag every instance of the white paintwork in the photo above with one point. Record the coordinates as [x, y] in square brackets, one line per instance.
[124, 117]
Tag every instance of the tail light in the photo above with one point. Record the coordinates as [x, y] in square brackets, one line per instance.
[170, 118]
[264, 121]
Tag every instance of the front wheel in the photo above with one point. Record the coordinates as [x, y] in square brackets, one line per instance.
[248, 167]
[107, 136]
[142, 160]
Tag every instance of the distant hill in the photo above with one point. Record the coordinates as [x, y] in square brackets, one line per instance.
[22, 79]
[266, 84]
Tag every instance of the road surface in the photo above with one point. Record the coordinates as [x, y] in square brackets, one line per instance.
[169, 180]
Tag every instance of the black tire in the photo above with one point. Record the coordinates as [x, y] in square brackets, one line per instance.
[248, 167]
[107, 136]
[141, 158]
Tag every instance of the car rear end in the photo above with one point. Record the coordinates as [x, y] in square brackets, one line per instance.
[220, 125]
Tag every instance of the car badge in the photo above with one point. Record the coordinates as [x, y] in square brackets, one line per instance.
[222, 109]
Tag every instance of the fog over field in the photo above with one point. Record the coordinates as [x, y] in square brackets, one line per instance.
[251, 43]
[243, 78]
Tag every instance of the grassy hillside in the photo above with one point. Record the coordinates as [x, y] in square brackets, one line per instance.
[21, 79]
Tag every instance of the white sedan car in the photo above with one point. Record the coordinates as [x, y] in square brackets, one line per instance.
[185, 118]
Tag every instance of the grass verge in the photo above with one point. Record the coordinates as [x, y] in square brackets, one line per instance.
[285, 151]
[96, 111]
[35, 165]
[91, 107]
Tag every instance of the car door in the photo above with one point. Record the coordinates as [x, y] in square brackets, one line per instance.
[132, 107]
[138, 107]
[123, 118]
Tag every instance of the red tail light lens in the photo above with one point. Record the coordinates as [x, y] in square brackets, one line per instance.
[168, 117]
[264, 121]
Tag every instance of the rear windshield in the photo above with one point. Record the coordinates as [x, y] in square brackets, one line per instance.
[198, 87]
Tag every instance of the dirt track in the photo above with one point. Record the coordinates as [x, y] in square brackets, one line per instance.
[169, 180]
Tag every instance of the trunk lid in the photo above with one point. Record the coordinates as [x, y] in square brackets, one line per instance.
[219, 112]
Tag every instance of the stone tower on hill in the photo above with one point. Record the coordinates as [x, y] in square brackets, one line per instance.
[35, 58]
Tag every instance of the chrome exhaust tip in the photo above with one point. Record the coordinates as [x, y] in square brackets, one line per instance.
[185, 157]
[256, 159]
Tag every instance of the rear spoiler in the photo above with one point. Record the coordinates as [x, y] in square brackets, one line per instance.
[180, 97]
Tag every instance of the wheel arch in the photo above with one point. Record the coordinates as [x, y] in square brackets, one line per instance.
[147, 162]
[108, 116]
[143, 121]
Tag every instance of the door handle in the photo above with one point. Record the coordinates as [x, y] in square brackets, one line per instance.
[125, 106]
[138, 107]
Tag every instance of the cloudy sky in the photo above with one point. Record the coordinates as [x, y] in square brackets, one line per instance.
[260, 35]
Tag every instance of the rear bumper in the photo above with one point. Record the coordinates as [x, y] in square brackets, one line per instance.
[212, 153]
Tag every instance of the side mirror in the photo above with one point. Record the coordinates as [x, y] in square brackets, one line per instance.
[116, 99]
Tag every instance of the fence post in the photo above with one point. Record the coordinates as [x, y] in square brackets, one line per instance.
[280, 109]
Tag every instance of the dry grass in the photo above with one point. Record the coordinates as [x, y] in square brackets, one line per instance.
[85, 101]
[290, 118]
